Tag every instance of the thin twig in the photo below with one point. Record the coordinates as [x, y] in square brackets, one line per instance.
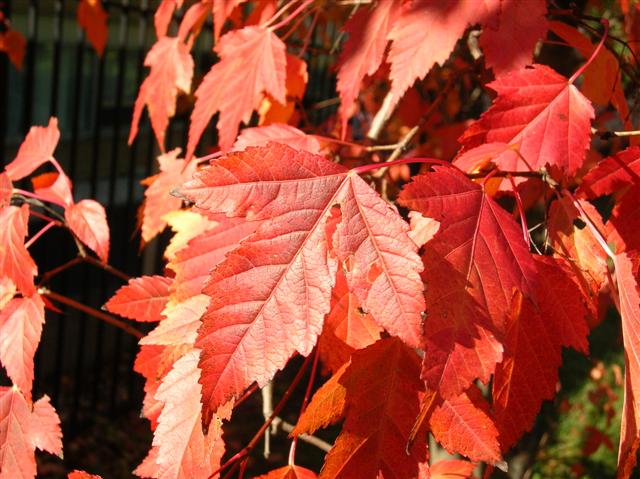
[107, 318]
[59, 269]
[605, 134]
[106, 267]
[308, 438]
[276, 412]
[305, 401]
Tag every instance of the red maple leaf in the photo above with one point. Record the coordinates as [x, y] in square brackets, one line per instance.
[252, 62]
[142, 299]
[92, 18]
[463, 426]
[379, 393]
[21, 323]
[614, 174]
[451, 469]
[535, 336]
[289, 472]
[472, 264]
[270, 295]
[82, 475]
[624, 223]
[171, 72]
[88, 221]
[540, 113]
[346, 328]
[510, 36]
[14, 44]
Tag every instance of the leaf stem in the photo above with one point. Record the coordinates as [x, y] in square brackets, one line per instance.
[291, 15]
[305, 401]
[580, 71]
[28, 194]
[42, 231]
[106, 267]
[403, 161]
[523, 218]
[46, 277]
[92, 312]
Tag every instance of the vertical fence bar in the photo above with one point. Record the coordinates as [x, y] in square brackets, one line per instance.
[58, 27]
[113, 176]
[62, 352]
[134, 150]
[30, 65]
[4, 89]
[94, 165]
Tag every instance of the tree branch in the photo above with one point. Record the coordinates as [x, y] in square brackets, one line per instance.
[107, 318]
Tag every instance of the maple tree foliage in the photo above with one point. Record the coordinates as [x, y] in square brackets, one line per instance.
[405, 268]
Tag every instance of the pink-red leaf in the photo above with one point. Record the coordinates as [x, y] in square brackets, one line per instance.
[46, 434]
[36, 149]
[363, 51]
[15, 261]
[21, 323]
[17, 459]
[194, 263]
[289, 135]
[142, 299]
[542, 114]
[88, 221]
[163, 15]
[269, 296]
[22, 430]
[53, 187]
[158, 200]
[221, 11]
[425, 34]
[184, 451]
[252, 62]
[6, 190]
[171, 72]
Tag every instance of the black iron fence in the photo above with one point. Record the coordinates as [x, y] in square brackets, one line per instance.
[85, 366]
